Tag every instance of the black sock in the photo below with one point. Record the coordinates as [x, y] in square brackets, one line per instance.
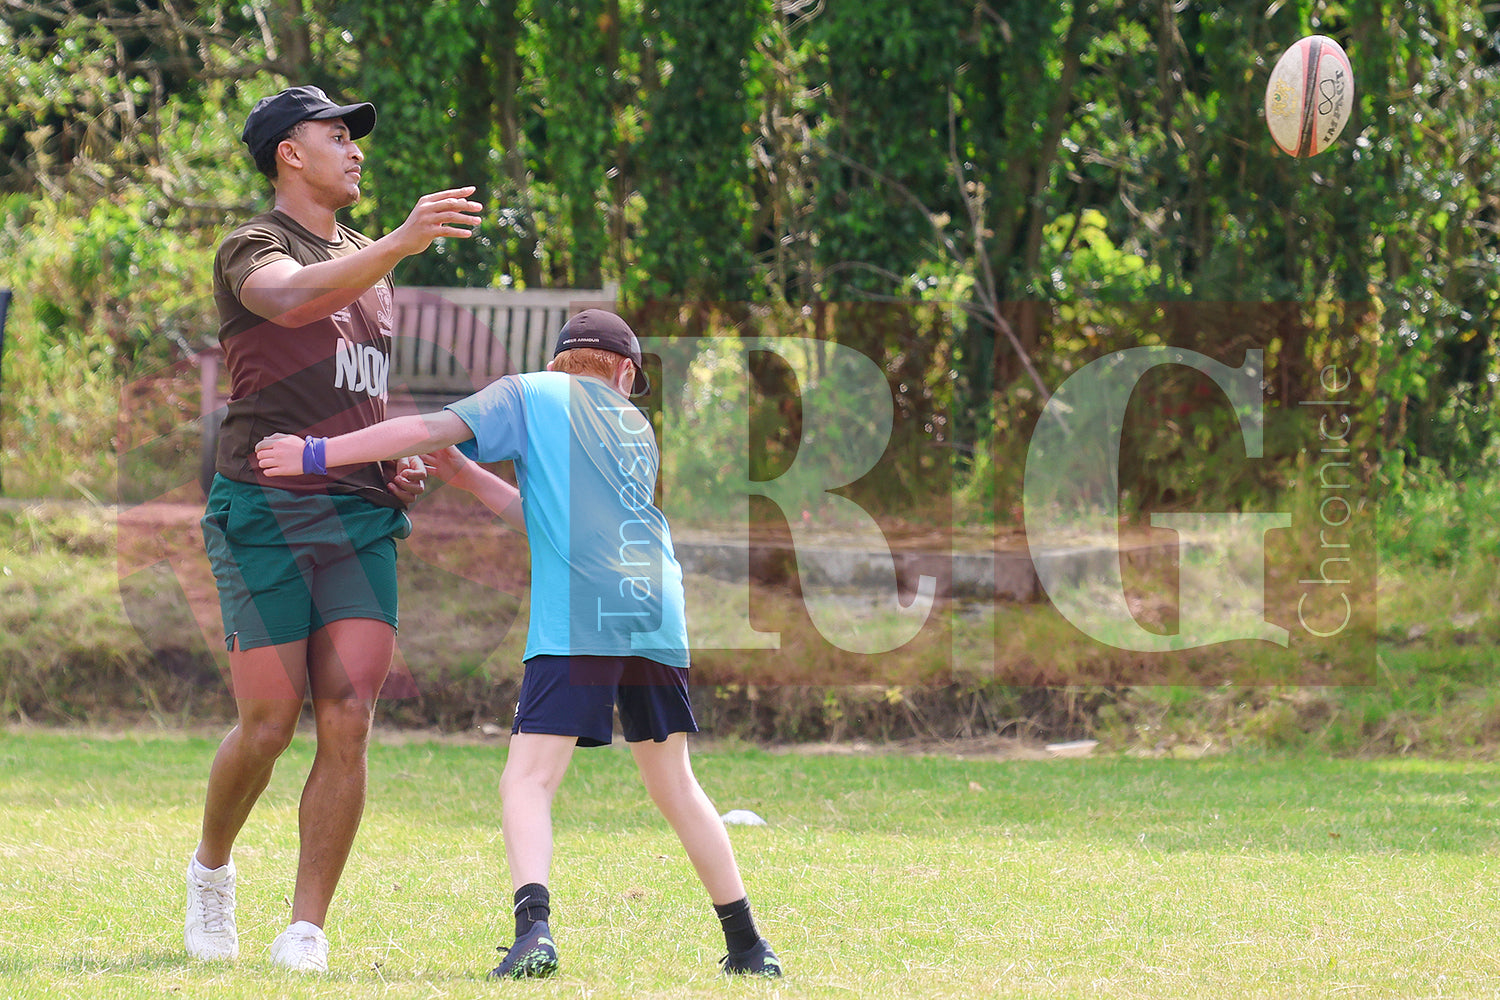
[533, 904]
[739, 926]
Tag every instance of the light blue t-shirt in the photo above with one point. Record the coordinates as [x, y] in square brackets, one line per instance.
[604, 578]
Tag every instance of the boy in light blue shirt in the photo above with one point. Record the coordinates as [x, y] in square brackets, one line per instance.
[596, 533]
[608, 625]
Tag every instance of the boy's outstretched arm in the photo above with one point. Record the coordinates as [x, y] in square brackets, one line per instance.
[286, 455]
[492, 491]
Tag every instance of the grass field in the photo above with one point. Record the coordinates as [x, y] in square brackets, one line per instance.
[877, 876]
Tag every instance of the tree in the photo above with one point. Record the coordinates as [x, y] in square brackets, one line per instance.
[692, 165]
[434, 74]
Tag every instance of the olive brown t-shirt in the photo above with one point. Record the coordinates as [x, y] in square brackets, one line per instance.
[325, 378]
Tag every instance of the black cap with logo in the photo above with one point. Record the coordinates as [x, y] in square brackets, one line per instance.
[273, 115]
[603, 329]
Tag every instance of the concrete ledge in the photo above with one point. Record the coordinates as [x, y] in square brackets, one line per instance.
[1001, 575]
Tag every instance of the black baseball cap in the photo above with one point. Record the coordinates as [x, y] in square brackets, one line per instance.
[603, 329]
[273, 115]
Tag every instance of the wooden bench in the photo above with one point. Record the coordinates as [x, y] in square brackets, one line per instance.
[449, 342]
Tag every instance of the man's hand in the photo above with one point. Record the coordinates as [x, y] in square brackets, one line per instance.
[410, 481]
[279, 455]
[438, 214]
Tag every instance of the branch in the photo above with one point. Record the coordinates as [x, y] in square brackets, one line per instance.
[1057, 120]
[986, 287]
[900, 189]
[972, 194]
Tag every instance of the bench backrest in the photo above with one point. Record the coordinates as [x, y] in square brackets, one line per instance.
[452, 341]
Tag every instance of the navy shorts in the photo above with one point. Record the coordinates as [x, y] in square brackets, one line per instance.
[577, 696]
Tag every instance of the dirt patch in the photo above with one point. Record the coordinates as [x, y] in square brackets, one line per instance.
[976, 748]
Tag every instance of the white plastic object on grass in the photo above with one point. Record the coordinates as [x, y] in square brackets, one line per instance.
[742, 817]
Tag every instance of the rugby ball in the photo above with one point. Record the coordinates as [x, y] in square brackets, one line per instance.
[1309, 96]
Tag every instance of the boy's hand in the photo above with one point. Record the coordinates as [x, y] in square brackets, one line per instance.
[449, 464]
[279, 455]
[410, 481]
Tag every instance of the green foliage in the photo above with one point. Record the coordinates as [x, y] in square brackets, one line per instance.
[103, 295]
[581, 51]
[98, 90]
[1442, 523]
[52, 613]
[693, 161]
[885, 71]
[1441, 304]
[1078, 254]
[748, 416]
[432, 77]
[1046, 165]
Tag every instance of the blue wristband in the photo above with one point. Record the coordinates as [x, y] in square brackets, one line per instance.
[315, 456]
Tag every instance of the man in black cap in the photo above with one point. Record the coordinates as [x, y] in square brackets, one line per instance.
[608, 621]
[305, 567]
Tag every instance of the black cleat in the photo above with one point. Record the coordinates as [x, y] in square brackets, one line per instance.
[758, 960]
[533, 956]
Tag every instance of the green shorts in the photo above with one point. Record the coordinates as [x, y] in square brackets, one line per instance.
[287, 564]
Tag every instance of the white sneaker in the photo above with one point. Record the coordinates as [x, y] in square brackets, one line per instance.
[302, 947]
[209, 930]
